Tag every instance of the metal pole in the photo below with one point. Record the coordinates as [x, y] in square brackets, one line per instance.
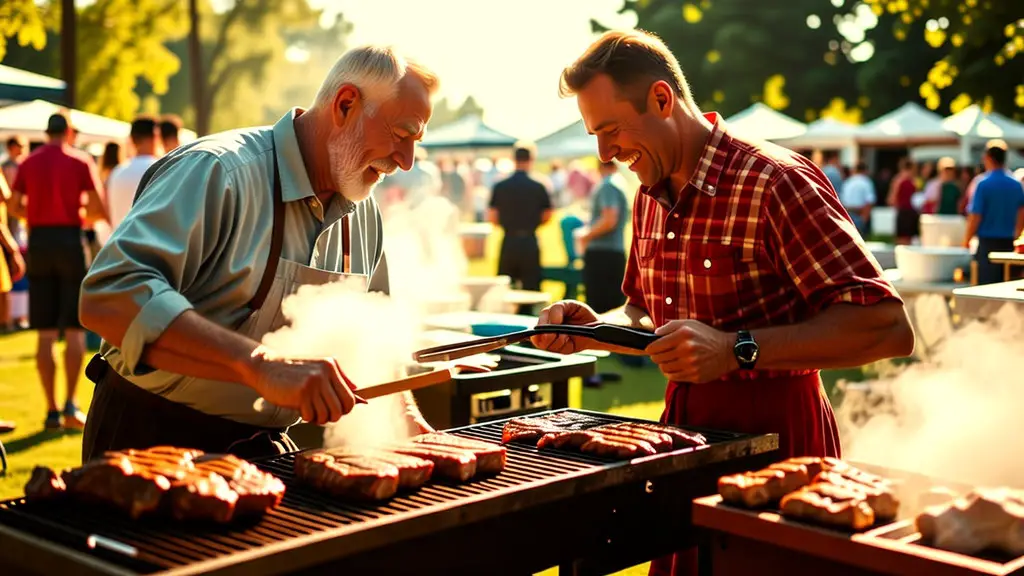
[68, 50]
[195, 57]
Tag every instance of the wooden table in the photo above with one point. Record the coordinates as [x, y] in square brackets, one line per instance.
[1008, 260]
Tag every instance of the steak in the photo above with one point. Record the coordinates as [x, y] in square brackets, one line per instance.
[257, 490]
[680, 438]
[181, 482]
[412, 472]
[451, 463]
[490, 458]
[659, 441]
[527, 429]
[355, 477]
[591, 442]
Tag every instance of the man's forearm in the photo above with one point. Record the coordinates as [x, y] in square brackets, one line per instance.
[842, 336]
[194, 346]
[972, 227]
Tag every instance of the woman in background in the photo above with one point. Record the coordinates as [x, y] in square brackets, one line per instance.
[113, 154]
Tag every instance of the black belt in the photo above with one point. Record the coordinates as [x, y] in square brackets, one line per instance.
[118, 403]
[521, 234]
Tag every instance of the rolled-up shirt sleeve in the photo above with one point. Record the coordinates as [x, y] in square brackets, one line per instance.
[176, 229]
[815, 245]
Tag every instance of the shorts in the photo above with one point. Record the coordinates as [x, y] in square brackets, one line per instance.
[56, 262]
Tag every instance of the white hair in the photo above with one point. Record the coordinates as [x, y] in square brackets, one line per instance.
[375, 71]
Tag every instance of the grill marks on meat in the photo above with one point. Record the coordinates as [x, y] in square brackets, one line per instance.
[620, 440]
[824, 491]
[490, 458]
[378, 472]
[185, 484]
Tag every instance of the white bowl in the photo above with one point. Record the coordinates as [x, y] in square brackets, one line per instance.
[942, 230]
[931, 263]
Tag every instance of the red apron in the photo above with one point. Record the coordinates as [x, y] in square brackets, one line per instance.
[795, 407]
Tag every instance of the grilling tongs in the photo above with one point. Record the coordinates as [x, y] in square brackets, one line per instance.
[606, 333]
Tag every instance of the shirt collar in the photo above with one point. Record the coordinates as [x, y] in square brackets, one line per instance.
[294, 178]
[711, 163]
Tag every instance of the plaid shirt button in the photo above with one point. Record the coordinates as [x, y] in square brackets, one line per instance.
[668, 300]
[707, 263]
[671, 235]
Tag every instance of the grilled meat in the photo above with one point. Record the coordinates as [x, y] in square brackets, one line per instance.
[983, 519]
[362, 478]
[449, 462]
[527, 429]
[183, 482]
[490, 458]
[680, 438]
[257, 490]
[830, 505]
[413, 472]
[44, 484]
[881, 499]
[763, 487]
[591, 442]
[659, 441]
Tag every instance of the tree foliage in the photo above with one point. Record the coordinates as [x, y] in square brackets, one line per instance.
[23, 21]
[976, 44]
[446, 113]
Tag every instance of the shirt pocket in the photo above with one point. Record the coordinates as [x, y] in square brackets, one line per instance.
[714, 274]
[647, 248]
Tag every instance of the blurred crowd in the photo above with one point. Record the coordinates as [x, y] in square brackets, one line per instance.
[47, 243]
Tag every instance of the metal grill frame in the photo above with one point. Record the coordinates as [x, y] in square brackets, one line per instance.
[473, 533]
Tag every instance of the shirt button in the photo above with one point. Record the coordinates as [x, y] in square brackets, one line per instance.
[671, 235]
[668, 300]
[707, 263]
[711, 188]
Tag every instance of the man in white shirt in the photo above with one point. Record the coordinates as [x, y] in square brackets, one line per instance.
[857, 194]
[124, 180]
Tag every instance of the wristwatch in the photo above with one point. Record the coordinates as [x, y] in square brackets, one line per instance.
[746, 350]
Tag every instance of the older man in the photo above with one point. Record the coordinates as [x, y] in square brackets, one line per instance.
[743, 259]
[223, 229]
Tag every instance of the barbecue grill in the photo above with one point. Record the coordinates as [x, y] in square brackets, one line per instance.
[763, 542]
[547, 508]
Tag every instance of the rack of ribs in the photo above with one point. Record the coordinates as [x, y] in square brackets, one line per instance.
[186, 484]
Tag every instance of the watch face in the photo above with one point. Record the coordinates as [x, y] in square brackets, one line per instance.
[746, 352]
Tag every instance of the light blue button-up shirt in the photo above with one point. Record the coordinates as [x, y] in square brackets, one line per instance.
[198, 237]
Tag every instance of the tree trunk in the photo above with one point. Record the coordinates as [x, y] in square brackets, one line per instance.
[68, 50]
[195, 57]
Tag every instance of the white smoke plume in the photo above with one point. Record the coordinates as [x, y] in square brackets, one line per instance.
[373, 336]
[955, 417]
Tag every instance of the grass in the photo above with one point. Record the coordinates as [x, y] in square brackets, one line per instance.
[640, 393]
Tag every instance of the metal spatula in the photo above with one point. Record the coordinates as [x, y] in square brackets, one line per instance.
[607, 333]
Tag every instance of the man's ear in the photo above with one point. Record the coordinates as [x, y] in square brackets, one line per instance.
[347, 104]
[661, 99]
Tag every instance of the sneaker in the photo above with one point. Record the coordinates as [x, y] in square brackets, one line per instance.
[73, 417]
[53, 420]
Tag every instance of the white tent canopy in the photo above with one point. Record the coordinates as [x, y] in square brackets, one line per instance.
[760, 122]
[974, 123]
[569, 142]
[29, 119]
[908, 124]
[824, 134]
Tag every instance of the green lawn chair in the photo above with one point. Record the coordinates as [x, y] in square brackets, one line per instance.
[571, 275]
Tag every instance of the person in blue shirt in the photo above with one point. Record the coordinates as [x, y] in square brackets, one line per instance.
[604, 246]
[995, 215]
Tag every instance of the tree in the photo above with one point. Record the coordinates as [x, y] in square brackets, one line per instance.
[732, 55]
[24, 21]
[975, 50]
[120, 42]
[445, 113]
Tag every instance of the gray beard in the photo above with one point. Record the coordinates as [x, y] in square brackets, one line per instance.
[345, 154]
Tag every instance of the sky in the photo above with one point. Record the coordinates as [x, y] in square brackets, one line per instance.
[507, 55]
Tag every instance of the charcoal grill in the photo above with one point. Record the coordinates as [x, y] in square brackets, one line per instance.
[550, 507]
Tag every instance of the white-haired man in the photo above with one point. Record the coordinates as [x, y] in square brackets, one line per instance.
[220, 232]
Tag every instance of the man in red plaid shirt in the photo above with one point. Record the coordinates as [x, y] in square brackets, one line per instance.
[743, 260]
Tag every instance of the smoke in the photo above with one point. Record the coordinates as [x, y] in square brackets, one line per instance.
[372, 335]
[956, 416]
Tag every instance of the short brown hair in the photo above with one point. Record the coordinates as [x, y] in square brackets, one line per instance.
[633, 59]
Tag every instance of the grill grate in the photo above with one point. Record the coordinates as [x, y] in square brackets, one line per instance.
[160, 545]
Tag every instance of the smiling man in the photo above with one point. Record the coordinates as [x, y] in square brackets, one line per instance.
[223, 229]
[743, 260]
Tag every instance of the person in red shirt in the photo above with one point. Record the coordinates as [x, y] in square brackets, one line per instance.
[743, 260]
[901, 195]
[49, 191]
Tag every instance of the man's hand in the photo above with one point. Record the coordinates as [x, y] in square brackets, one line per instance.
[17, 266]
[691, 351]
[316, 387]
[565, 312]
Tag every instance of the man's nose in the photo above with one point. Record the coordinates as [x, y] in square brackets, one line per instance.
[403, 155]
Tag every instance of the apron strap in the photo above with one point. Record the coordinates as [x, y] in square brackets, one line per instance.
[276, 240]
[346, 246]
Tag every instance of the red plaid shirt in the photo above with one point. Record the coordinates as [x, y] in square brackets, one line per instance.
[758, 238]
